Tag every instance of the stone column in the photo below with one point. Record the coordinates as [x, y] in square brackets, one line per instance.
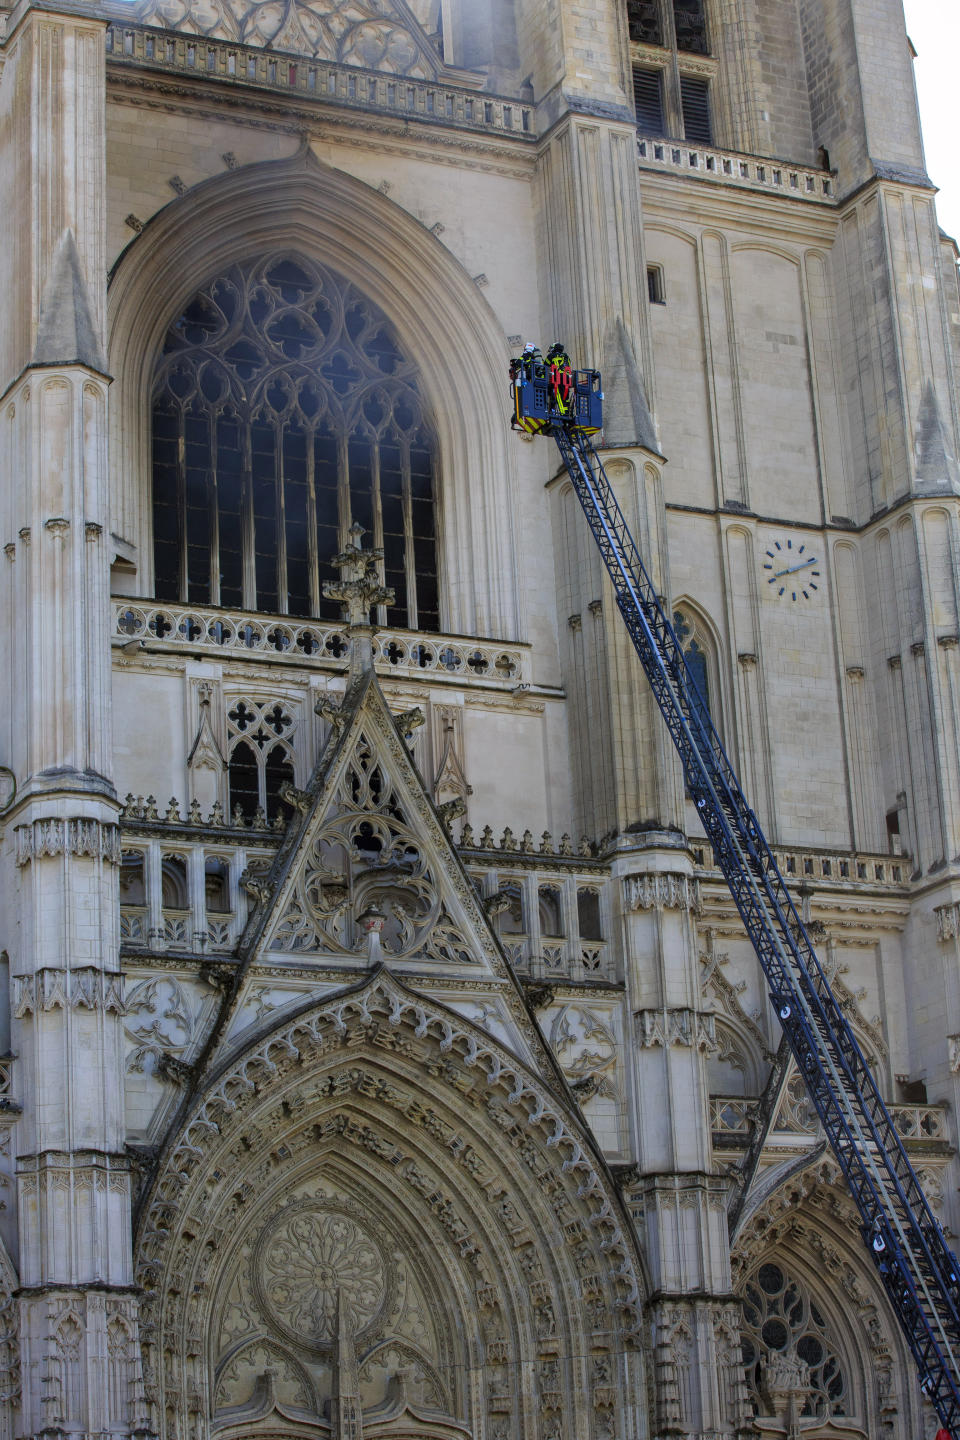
[677, 1200]
[79, 1347]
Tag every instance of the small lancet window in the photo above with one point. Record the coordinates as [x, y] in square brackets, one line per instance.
[694, 652]
[551, 912]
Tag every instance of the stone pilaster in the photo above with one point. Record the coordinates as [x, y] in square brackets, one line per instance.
[79, 1347]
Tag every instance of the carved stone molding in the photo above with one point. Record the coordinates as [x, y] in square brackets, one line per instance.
[68, 837]
[86, 988]
[675, 1027]
[661, 892]
[948, 920]
[954, 1043]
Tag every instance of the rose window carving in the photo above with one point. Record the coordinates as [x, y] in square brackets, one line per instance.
[307, 1257]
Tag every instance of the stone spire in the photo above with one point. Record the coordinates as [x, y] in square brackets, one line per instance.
[346, 1422]
[358, 589]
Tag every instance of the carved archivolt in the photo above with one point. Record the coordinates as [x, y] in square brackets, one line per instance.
[358, 1151]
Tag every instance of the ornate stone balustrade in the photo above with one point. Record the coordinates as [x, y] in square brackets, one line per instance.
[346, 87]
[6, 1080]
[734, 1115]
[799, 182]
[830, 866]
[324, 645]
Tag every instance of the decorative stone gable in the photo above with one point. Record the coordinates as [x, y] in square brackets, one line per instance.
[368, 871]
[373, 34]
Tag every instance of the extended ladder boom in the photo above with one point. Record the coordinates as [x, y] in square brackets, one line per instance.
[918, 1270]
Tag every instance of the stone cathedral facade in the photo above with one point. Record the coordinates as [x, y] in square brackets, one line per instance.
[381, 1056]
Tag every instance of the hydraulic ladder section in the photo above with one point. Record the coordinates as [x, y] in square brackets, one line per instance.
[919, 1271]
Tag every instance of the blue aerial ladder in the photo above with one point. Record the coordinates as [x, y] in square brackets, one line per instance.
[919, 1271]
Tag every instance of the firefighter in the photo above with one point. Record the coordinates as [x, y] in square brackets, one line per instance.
[560, 377]
[525, 368]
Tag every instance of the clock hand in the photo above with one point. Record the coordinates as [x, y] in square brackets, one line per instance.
[792, 569]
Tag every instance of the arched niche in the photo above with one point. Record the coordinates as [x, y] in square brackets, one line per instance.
[809, 1227]
[378, 1146]
[448, 330]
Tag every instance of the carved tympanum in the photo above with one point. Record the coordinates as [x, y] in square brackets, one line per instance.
[308, 1255]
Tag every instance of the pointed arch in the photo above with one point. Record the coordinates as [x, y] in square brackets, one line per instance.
[807, 1226]
[702, 646]
[449, 331]
[381, 1115]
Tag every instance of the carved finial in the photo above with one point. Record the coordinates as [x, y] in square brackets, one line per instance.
[254, 881]
[487, 841]
[299, 800]
[497, 903]
[279, 822]
[451, 810]
[546, 843]
[237, 819]
[508, 842]
[586, 849]
[150, 811]
[409, 720]
[194, 816]
[330, 711]
[466, 836]
[259, 821]
[565, 847]
[172, 816]
[127, 804]
[526, 842]
[216, 815]
[358, 589]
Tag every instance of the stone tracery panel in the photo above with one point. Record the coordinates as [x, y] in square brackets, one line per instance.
[374, 34]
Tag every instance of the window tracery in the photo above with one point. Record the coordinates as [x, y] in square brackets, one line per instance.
[787, 1345]
[697, 651]
[284, 411]
[260, 756]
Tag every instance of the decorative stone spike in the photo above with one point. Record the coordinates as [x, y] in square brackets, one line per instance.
[526, 842]
[508, 842]
[546, 843]
[586, 849]
[565, 847]
[216, 815]
[279, 822]
[236, 818]
[486, 839]
[127, 805]
[259, 821]
[194, 817]
[466, 836]
[172, 816]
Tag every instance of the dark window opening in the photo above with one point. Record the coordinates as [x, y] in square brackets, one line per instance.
[510, 918]
[894, 838]
[656, 292]
[551, 912]
[133, 889]
[648, 100]
[173, 883]
[284, 411]
[277, 772]
[643, 21]
[690, 24]
[695, 103]
[588, 915]
[216, 884]
[244, 779]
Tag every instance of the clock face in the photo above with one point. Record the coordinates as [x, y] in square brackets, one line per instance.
[792, 570]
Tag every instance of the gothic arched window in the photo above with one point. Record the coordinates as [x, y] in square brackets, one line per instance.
[695, 651]
[787, 1347]
[284, 410]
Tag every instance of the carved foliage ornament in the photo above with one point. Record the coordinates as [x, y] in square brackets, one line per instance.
[86, 988]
